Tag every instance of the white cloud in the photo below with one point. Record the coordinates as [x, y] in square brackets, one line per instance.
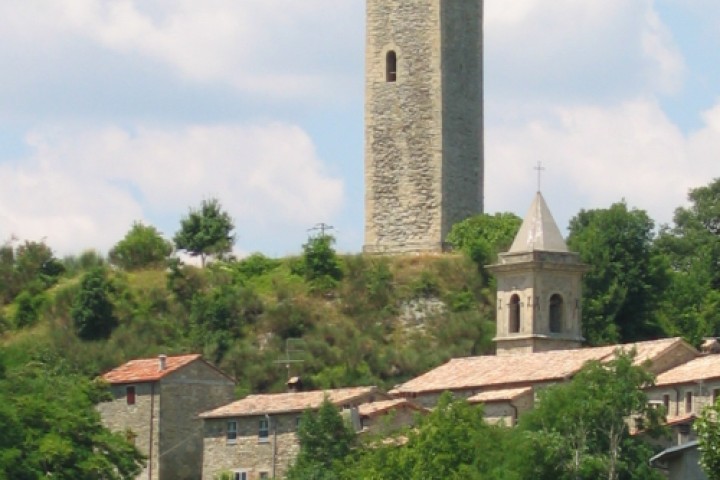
[83, 188]
[596, 156]
[280, 48]
[570, 49]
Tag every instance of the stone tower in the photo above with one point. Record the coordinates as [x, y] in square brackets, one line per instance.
[423, 121]
[539, 288]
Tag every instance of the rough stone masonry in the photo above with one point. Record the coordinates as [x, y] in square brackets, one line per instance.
[423, 122]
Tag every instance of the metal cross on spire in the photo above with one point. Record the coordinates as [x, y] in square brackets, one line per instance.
[539, 169]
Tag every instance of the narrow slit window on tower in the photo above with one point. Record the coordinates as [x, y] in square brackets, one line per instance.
[514, 312]
[391, 66]
[556, 313]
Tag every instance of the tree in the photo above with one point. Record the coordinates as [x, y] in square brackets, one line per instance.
[708, 432]
[321, 264]
[92, 311]
[207, 231]
[52, 430]
[628, 277]
[579, 429]
[452, 442]
[325, 440]
[692, 246]
[142, 247]
[482, 237]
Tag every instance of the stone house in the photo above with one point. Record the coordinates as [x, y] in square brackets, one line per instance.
[681, 462]
[156, 402]
[503, 381]
[256, 437]
[684, 391]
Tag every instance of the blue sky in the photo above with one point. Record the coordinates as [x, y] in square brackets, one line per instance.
[121, 110]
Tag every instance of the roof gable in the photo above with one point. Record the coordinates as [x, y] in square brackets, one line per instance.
[511, 371]
[701, 368]
[253, 405]
[148, 369]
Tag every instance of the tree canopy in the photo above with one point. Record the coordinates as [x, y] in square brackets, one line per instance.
[52, 430]
[142, 247]
[708, 432]
[627, 278]
[483, 236]
[206, 231]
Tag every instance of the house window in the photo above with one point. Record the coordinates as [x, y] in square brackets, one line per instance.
[556, 313]
[716, 395]
[130, 395]
[391, 66]
[239, 475]
[514, 312]
[666, 403]
[232, 431]
[688, 402]
[263, 430]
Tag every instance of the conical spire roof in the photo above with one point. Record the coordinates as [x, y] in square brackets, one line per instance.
[539, 230]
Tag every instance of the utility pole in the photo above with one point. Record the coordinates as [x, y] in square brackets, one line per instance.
[323, 227]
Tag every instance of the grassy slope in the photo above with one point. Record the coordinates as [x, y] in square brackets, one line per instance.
[358, 333]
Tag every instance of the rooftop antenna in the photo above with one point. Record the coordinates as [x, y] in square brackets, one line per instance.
[323, 227]
[289, 350]
[539, 169]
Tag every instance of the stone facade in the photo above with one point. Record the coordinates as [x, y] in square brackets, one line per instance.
[259, 457]
[423, 122]
[163, 419]
[257, 436]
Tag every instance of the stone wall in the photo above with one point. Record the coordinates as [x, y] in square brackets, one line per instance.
[184, 394]
[248, 452]
[140, 419]
[423, 132]
[163, 421]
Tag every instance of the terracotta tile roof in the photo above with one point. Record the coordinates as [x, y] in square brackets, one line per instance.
[524, 369]
[288, 402]
[679, 420]
[378, 408]
[147, 369]
[506, 395]
[702, 368]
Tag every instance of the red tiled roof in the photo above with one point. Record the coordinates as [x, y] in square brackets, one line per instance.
[506, 395]
[288, 402]
[523, 369]
[147, 369]
[378, 408]
[702, 368]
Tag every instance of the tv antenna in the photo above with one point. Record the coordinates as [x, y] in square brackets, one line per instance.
[289, 350]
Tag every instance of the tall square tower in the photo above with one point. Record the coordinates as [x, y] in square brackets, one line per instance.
[423, 121]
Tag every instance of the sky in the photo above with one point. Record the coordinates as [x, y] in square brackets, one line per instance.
[116, 111]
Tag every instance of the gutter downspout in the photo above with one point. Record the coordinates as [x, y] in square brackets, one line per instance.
[152, 424]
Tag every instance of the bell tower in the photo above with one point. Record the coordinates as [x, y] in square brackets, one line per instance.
[423, 121]
[539, 288]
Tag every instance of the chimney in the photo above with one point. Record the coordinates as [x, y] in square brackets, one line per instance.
[294, 385]
[162, 362]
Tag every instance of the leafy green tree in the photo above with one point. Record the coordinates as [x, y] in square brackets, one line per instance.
[321, 264]
[206, 231]
[52, 430]
[628, 277]
[92, 311]
[30, 266]
[27, 309]
[325, 441]
[708, 432]
[579, 429]
[692, 246]
[142, 247]
[452, 442]
[483, 236]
